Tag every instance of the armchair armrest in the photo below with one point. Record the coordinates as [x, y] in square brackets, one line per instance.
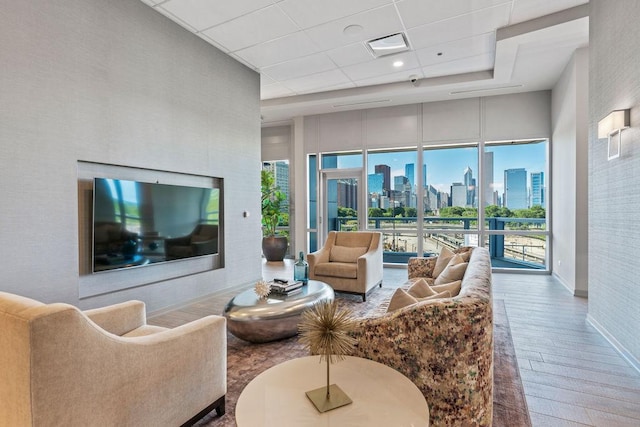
[119, 319]
[321, 255]
[421, 267]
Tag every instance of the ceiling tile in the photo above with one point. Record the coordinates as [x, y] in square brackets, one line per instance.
[375, 23]
[350, 54]
[317, 81]
[471, 46]
[250, 29]
[525, 10]
[309, 13]
[202, 14]
[466, 65]
[420, 12]
[279, 50]
[480, 22]
[300, 67]
[381, 66]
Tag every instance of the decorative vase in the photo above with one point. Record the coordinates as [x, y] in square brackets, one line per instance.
[301, 270]
[274, 248]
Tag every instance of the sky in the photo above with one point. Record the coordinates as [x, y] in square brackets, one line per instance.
[445, 166]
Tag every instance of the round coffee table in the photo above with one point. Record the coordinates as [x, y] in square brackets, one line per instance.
[381, 396]
[276, 317]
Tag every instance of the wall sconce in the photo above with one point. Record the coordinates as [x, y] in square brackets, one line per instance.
[615, 122]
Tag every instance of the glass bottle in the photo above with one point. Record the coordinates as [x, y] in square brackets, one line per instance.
[301, 269]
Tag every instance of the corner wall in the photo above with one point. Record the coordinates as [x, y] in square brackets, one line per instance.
[569, 176]
[614, 232]
[115, 82]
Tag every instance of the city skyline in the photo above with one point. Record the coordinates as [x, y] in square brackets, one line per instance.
[447, 166]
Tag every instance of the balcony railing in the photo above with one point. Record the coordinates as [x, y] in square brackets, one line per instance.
[512, 242]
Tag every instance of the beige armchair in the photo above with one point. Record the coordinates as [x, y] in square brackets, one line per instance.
[106, 367]
[350, 261]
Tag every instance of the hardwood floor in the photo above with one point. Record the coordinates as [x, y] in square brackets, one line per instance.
[571, 375]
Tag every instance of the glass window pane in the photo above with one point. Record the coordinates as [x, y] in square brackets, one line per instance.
[399, 246]
[342, 160]
[517, 250]
[515, 179]
[312, 193]
[450, 195]
[391, 188]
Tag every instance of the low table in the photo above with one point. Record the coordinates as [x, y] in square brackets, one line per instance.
[381, 396]
[276, 317]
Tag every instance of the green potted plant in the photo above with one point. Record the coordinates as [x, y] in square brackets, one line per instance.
[274, 246]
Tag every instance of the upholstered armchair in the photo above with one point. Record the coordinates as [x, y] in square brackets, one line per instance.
[202, 240]
[60, 366]
[350, 261]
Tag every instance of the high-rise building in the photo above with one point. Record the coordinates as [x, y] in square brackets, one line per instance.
[458, 194]
[470, 183]
[409, 172]
[280, 171]
[424, 175]
[386, 173]
[348, 193]
[375, 183]
[487, 179]
[537, 189]
[515, 188]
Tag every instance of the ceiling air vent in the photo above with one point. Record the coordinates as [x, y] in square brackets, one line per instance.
[388, 45]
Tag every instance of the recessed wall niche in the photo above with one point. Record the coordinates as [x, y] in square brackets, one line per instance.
[125, 242]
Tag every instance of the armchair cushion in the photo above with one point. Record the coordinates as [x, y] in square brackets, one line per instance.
[346, 254]
[348, 270]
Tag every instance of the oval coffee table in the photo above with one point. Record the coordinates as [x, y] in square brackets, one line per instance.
[381, 396]
[276, 317]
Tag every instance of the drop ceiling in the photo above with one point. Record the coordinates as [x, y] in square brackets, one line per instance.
[312, 55]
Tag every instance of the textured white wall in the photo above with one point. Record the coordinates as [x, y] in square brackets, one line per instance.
[614, 231]
[569, 174]
[115, 82]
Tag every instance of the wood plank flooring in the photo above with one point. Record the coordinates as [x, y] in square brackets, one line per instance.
[571, 375]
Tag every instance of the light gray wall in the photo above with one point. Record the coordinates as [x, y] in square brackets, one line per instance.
[569, 176]
[614, 233]
[114, 82]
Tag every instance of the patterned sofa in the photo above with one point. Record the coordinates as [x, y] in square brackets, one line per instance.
[445, 346]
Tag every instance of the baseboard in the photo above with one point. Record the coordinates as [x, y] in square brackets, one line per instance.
[615, 343]
[575, 292]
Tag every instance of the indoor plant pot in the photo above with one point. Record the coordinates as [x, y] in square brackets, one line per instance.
[274, 247]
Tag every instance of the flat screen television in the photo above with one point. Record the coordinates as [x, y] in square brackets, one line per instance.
[141, 223]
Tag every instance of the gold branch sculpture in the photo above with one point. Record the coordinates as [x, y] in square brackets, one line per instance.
[324, 330]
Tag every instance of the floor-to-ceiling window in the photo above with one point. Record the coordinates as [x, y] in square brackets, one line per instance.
[493, 194]
[280, 169]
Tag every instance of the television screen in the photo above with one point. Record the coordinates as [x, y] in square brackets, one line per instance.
[140, 223]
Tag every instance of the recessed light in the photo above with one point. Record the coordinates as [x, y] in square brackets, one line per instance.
[398, 64]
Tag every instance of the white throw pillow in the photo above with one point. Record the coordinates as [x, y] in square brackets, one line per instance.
[421, 289]
[454, 271]
[453, 287]
[442, 261]
[400, 299]
[445, 294]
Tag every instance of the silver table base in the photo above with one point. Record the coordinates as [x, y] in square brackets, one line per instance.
[276, 317]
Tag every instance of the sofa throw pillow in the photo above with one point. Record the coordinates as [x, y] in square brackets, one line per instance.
[421, 289]
[445, 294]
[400, 299]
[454, 271]
[453, 287]
[442, 261]
[346, 253]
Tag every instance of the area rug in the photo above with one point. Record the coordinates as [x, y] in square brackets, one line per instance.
[245, 361]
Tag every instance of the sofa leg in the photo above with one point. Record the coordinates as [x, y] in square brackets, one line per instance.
[364, 297]
[380, 284]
